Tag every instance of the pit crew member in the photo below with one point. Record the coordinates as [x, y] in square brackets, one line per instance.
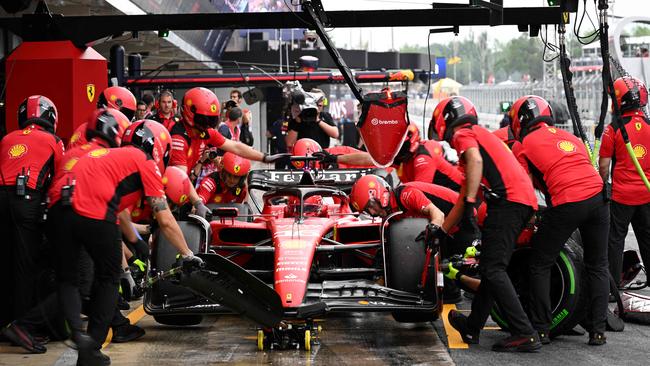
[510, 203]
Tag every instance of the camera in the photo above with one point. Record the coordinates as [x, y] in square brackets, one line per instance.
[301, 103]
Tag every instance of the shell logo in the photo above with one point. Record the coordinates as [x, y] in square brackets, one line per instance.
[75, 137]
[213, 108]
[17, 151]
[98, 153]
[566, 146]
[183, 198]
[70, 164]
[436, 113]
[135, 213]
[165, 180]
[236, 168]
[640, 151]
[217, 198]
[163, 136]
[552, 130]
[27, 131]
[113, 97]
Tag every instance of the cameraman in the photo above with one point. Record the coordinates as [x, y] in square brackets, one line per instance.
[319, 128]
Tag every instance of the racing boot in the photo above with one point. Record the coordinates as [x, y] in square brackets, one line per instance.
[20, 337]
[597, 339]
[529, 343]
[127, 333]
[459, 322]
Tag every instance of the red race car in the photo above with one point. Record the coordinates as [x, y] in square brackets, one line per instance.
[300, 240]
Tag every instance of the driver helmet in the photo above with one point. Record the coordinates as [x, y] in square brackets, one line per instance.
[370, 194]
[304, 147]
[177, 185]
[234, 170]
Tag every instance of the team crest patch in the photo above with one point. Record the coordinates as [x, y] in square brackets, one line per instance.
[236, 168]
[640, 151]
[638, 126]
[70, 164]
[566, 146]
[90, 92]
[98, 153]
[17, 151]
[237, 191]
[183, 198]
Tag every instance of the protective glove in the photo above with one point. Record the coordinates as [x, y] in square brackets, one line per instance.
[430, 233]
[275, 157]
[471, 252]
[202, 210]
[325, 157]
[450, 272]
[140, 249]
[469, 217]
[189, 263]
[127, 285]
[136, 263]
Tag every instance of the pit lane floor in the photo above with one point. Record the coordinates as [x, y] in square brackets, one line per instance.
[348, 339]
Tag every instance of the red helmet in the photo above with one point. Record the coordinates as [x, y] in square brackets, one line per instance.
[150, 137]
[452, 112]
[177, 185]
[367, 189]
[38, 110]
[527, 111]
[304, 147]
[200, 108]
[107, 124]
[410, 144]
[630, 93]
[235, 164]
[78, 138]
[120, 98]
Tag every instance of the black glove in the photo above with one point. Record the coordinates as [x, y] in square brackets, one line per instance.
[326, 157]
[273, 158]
[430, 233]
[189, 263]
[140, 249]
[470, 222]
[202, 210]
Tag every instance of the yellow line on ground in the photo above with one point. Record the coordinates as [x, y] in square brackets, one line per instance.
[453, 337]
[133, 317]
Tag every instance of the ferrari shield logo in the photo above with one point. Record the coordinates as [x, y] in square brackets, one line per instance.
[638, 126]
[90, 92]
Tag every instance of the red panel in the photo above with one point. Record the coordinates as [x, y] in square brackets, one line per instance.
[59, 71]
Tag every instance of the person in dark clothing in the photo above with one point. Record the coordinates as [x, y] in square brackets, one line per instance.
[559, 165]
[320, 130]
[510, 200]
[276, 135]
[30, 156]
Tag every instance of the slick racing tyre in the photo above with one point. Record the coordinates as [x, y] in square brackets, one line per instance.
[568, 287]
[404, 261]
[164, 291]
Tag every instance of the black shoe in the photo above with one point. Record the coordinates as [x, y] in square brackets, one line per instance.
[459, 322]
[597, 339]
[127, 333]
[528, 343]
[20, 337]
[544, 337]
[122, 304]
[89, 351]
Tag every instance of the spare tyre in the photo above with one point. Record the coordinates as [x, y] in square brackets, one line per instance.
[404, 263]
[568, 288]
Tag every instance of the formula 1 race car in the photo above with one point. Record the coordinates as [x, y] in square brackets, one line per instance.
[300, 237]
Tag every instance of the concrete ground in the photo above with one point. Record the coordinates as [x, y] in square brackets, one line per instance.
[348, 339]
